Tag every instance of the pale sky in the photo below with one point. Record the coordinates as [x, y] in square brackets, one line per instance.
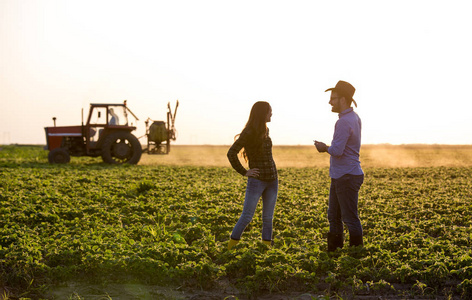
[410, 62]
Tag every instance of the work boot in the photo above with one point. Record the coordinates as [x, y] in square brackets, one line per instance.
[356, 240]
[268, 243]
[232, 243]
[335, 240]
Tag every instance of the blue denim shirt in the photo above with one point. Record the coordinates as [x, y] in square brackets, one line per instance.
[346, 144]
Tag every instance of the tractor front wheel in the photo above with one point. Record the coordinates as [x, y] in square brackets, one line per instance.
[59, 156]
[121, 147]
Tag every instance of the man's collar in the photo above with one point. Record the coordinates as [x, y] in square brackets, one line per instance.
[346, 111]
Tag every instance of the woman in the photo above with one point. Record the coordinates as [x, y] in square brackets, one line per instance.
[262, 173]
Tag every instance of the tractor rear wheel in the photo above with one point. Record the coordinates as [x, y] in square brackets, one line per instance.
[59, 156]
[121, 147]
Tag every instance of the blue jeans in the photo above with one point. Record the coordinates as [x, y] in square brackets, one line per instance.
[342, 207]
[254, 190]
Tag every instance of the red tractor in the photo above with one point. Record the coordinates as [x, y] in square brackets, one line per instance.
[107, 133]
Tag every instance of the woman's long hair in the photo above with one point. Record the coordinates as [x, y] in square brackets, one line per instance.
[257, 123]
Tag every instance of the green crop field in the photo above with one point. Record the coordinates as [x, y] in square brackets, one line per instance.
[159, 230]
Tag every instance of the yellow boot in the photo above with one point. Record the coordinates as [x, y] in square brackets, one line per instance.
[232, 243]
[268, 243]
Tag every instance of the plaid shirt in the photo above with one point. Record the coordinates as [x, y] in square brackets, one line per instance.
[258, 158]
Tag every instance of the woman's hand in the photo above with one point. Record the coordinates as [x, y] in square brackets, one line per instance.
[252, 172]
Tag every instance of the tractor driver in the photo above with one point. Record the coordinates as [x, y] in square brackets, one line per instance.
[114, 118]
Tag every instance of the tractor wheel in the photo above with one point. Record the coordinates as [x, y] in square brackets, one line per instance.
[59, 156]
[121, 147]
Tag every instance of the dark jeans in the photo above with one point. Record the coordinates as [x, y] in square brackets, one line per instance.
[342, 207]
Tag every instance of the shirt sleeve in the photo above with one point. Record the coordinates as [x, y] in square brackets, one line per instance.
[233, 154]
[342, 132]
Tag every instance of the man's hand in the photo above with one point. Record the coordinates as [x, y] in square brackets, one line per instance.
[321, 147]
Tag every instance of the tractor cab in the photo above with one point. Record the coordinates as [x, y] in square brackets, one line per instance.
[106, 118]
[111, 114]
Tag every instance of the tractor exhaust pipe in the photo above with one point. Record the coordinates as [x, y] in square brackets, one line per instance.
[54, 120]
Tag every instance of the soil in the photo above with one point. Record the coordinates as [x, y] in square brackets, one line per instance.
[224, 291]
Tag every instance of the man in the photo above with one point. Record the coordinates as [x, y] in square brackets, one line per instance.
[114, 117]
[345, 168]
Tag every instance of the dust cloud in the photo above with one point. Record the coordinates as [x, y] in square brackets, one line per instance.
[414, 156]
[383, 156]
